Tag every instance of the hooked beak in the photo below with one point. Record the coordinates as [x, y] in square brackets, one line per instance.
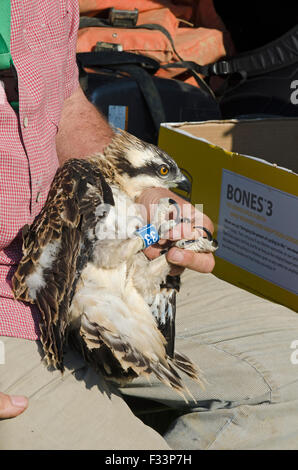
[184, 183]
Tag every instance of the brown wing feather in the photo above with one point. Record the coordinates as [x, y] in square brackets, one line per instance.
[164, 310]
[77, 189]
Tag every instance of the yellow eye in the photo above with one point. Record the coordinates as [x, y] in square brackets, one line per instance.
[163, 170]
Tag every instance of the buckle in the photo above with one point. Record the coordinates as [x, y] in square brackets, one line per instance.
[221, 68]
[10, 80]
[107, 46]
[123, 18]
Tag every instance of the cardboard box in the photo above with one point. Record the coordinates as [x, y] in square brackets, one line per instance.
[245, 174]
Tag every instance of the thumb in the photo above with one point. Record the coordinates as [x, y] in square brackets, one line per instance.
[12, 405]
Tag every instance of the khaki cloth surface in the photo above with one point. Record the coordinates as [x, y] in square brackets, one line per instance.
[241, 342]
[76, 411]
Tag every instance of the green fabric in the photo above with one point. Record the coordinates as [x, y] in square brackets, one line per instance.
[5, 57]
[14, 105]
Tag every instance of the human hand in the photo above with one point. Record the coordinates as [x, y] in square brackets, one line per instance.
[12, 405]
[201, 262]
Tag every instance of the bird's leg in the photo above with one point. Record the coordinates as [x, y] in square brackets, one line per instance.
[130, 247]
[167, 207]
[158, 266]
[200, 244]
[160, 224]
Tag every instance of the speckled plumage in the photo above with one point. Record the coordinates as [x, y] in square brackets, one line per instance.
[98, 292]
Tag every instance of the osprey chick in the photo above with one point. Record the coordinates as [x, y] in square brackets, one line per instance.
[83, 265]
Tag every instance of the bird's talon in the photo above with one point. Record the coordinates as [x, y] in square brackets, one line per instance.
[208, 233]
[200, 245]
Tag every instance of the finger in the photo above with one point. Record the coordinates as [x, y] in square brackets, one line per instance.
[153, 252]
[12, 405]
[207, 223]
[162, 241]
[201, 262]
[196, 216]
[151, 196]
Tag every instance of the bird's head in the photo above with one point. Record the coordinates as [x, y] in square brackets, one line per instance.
[139, 165]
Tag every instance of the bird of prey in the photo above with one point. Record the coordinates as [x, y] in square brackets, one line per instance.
[84, 267]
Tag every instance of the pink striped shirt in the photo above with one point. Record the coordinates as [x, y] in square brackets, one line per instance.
[43, 45]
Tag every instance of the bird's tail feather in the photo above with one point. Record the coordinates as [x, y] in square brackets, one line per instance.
[130, 358]
[95, 335]
[183, 363]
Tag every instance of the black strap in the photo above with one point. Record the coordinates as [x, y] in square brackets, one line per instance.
[194, 68]
[149, 92]
[137, 67]
[277, 54]
[110, 58]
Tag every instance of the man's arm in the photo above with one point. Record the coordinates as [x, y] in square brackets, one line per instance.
[82, 129]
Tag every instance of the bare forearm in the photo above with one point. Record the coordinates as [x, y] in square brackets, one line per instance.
[82, 129]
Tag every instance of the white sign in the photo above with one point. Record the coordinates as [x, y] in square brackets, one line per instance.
[117, 116]
[258, 230]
